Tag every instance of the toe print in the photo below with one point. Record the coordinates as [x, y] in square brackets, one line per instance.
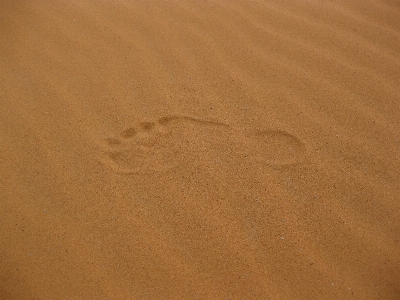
[140, 149]
[173, 140]
[128, 133]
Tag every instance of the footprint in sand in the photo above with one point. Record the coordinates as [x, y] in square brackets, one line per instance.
[178, 140]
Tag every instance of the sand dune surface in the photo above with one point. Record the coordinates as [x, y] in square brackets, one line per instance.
[200, 149]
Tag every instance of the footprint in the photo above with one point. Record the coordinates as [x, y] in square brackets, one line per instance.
[276, 147]
[178, 140]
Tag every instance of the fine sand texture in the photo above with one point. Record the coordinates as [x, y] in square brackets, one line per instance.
[200, 149]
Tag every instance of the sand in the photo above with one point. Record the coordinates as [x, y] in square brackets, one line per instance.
[200, 149]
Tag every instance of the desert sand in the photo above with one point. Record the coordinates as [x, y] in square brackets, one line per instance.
[200, 149]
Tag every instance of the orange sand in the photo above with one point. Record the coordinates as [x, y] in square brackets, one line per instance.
[200, 149]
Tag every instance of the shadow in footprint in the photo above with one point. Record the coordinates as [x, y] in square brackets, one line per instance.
[173, 140]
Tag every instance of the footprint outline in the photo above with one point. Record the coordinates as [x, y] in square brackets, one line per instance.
[150, 146]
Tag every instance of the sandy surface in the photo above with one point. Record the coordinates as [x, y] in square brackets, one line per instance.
[200, 149]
